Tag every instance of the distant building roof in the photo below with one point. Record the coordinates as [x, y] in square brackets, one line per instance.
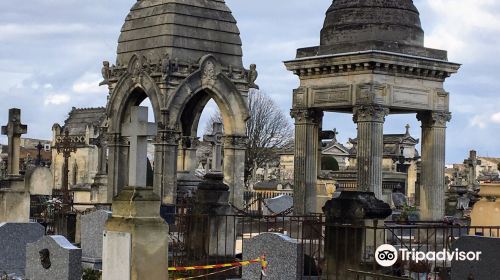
[81, 118]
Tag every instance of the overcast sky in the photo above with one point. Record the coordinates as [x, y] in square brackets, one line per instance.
[51, 53]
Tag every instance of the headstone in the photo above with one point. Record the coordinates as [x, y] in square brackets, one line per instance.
[53, 258]
[284, 255]
[277, 205]
[399, 200]
[13, 240]
[92, 229]
[488, 264]
[40, 181]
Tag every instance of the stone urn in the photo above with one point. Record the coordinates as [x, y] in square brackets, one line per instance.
[486, 212]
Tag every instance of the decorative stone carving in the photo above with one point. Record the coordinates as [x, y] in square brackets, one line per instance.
[168, 136]
[306, 115]
[106, 73]
[209, 74]
[252, 76]
[434, 119]
[370, 114]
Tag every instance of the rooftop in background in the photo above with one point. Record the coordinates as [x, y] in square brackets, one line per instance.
[80, 118]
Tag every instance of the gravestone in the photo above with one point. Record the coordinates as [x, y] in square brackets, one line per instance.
[488, 264]
[92, 228]
[40, 181]
[278, 204]
[53, 258]
[284, 255]
[13, 240]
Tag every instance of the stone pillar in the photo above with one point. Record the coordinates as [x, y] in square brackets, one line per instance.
[347, 237]
[211, 232]
[13, 130]
[432, 190]
[307, 130]
[99, 187]
[370, 121]
[166, 155]
[117, 164]
[234, 167]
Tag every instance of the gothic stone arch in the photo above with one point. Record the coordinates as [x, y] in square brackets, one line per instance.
[186, 105]
[141, 80]
[131, 88]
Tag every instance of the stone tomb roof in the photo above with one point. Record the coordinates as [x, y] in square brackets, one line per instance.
[81, 118]
[362, 25]
[184, 29]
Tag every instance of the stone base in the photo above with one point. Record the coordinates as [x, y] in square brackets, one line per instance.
[15, 200]
[99, 189]
[136, 238]
[94, 264]
[187, 184]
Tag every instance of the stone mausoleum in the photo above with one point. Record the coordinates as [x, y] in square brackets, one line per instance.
[371, 62]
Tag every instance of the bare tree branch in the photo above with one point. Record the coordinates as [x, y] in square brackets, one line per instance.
[268, 130]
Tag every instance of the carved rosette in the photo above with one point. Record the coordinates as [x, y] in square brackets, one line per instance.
[303, 116]
[370, 113]
[434, 119]
[235, 142]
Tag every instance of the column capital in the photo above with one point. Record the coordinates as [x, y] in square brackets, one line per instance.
[370, 113]
[189, 142]
[116, 139]
[434, 118]
[306, 115]
[235, 142]
[168, 137]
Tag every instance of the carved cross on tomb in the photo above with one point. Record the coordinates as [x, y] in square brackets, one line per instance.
[216, 140]
[138, 129]
[14, 129]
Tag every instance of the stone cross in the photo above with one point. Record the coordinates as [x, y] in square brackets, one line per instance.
[216, 140]
[39, 148]
[14, 129]
[472, 162]
[138, 130]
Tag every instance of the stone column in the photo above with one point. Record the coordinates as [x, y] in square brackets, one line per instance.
[307, 129]
[370, 120]
[234, 167]
[165, 171]
[432, 190]
[117, 164]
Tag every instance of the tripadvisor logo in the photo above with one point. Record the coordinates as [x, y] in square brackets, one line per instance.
[387, 255]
